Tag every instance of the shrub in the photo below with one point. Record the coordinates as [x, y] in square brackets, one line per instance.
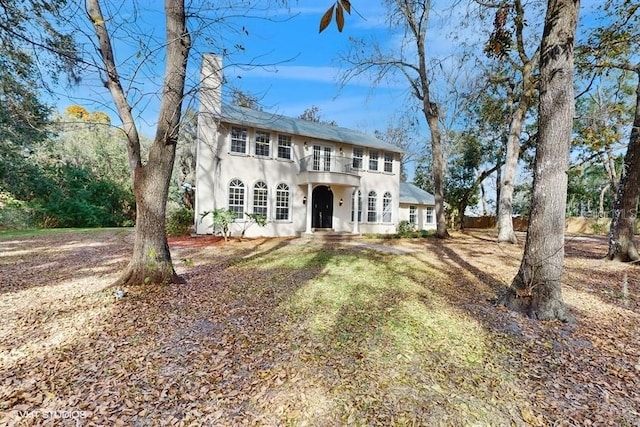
[14, 213]
[405, 228]
[179, 222]
[222, 219]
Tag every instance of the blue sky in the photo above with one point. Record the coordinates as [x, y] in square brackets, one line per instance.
[305, 71]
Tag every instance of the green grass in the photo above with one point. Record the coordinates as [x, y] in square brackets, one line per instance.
[36, 232]
[380, 318]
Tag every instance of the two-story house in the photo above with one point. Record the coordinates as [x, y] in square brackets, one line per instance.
[303, 176]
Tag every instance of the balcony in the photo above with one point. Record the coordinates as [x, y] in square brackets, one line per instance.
[324, 168]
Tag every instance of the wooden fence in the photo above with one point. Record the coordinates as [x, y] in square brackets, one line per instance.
[577, 225]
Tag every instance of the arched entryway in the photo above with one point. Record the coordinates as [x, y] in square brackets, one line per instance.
[322, 207]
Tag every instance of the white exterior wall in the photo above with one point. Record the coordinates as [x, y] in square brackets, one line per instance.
[220, 167]
[217, 167]
[421, 213]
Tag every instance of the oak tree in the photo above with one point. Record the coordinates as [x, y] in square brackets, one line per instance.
[537, 288]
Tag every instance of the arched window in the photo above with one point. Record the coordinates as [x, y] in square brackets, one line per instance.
[353, 205]
[282, 202]
[386, 207]
[372, 213]
[236, 198]
[260, 198]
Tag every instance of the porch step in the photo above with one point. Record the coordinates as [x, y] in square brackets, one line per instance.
[331, 236]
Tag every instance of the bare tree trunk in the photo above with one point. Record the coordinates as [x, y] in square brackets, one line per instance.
[537, 288]
[151, 259]
[438, 170]
[506, 233]
[483, 199]
[601, 201]
[505, 206]
[621, 246]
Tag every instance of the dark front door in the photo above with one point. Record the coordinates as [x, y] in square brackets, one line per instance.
[322, 207]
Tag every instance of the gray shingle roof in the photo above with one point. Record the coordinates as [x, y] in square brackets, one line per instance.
[269, 121]
[409, 193]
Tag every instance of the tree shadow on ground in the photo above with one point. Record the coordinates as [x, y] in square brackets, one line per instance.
[291, 332]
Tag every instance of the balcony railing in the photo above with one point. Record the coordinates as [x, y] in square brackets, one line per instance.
[326, 163]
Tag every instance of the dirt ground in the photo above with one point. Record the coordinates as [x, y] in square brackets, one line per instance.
[72, 354]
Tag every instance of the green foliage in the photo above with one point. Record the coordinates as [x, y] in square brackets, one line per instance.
[461, 184]
[599, 227]
[222, 219]
[76, 197]
[253, 218]
[51, 195]
[14, 214]
[423, 174]
[183, 177]
[405, 228]
[179, 222]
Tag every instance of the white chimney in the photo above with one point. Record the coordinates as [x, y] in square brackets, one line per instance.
[211, 85]
[209, 140]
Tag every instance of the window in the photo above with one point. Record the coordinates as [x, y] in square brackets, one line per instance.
[321, 158]
[262, 144]
[357, 157]
[388, 162]
[236, 198]
[284, 147]
[386, 207]
[372, 214]
[373, 160]
[239, 140]
[282, 202]
[413, 214]
[353, 205]
[260, 198]
[429, 216]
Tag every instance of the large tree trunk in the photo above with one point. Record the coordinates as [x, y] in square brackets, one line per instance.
[537, 288]
[621, 233]
[432, 115]
[151, 259]
[437, 153]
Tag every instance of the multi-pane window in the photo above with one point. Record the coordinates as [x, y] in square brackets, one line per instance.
[260, 198]
[239, 140]
[262, 143]
[386, 207]
[372, 214]
[373, 160]
[282, 202]
[358, 153]
[429, 216]
[388, 162]
[357, 200]
[413, 214]
[284, 147]
[236, 198]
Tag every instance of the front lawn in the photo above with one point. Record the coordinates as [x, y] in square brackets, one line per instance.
[297, 332]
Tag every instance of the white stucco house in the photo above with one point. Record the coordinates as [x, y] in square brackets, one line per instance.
[305, 177]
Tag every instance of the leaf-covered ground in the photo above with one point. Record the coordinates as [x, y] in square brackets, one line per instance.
[295, 332]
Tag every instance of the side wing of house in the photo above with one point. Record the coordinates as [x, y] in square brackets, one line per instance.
[417, 207]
